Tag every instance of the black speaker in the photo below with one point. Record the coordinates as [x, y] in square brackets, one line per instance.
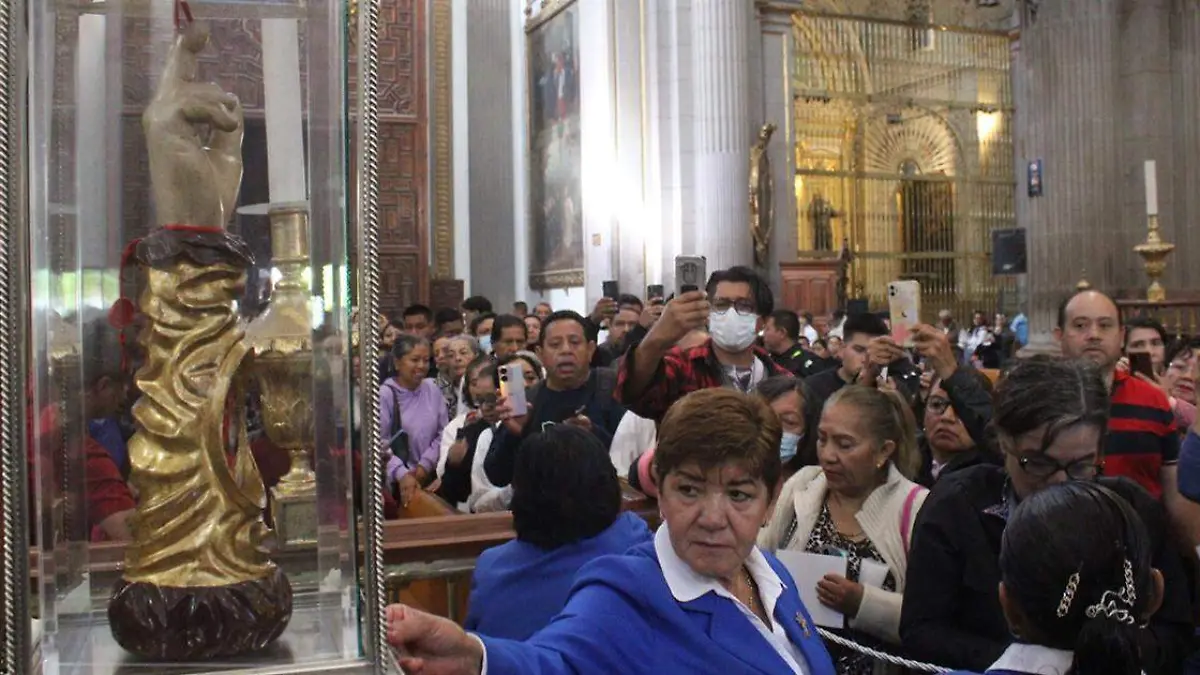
[1008, 252]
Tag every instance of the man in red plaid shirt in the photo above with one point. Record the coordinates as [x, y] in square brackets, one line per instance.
[656, 373]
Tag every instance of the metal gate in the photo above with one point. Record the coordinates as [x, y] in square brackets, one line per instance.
[904, 155]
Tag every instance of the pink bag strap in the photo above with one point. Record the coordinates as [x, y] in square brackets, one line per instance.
[906, 515]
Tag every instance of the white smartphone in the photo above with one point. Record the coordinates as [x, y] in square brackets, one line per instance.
[691, 273]
[512, 387]
[904, 308]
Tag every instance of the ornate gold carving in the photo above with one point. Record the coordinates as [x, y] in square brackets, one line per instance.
[281, 339]
[442, 119]
[198, 522]
[1154, 252]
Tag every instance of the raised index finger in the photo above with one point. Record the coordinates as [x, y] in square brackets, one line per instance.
[182, 64]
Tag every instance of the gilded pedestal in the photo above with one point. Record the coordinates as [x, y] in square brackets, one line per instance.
[281, 340]
[1154, 252]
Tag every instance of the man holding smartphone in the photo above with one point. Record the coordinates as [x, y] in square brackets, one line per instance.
[574, 393]
[656, 373]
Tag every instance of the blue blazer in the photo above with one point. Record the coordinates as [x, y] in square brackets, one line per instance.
[622, 618]
[519, 574]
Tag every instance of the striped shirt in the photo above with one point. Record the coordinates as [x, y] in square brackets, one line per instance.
[1142, 437]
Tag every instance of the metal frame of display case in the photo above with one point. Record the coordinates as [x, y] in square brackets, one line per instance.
[16, 650]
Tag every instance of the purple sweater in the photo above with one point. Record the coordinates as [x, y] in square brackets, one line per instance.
[423, 414]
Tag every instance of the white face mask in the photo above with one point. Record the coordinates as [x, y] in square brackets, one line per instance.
[732, 331]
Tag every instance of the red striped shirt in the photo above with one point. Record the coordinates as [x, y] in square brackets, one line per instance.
[1142, 436]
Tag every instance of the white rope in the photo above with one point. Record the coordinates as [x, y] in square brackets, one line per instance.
[878, 655]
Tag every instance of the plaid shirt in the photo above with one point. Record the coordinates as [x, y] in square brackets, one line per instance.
[679, 374]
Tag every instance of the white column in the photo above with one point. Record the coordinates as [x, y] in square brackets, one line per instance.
[597, 101]
[720, 61]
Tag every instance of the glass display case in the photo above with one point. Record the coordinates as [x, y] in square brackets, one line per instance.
[191, 483]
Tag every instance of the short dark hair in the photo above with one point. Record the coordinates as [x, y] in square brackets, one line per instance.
[764, 299]
[715, 426]
[863, 324]
[1145, 322]
[589, 329]
[838, 315]
[627, 299]
[1055, 393]
[477, 303]
[446, 315]
[418, 310]
[564, 488]
[478, 320]
[1068, 549]
[521, 304]
[1062, 307]
[787, 321]
[507, 321]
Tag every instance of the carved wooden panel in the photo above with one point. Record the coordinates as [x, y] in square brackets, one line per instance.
[811, 286]
[403, 153]
[446, 293]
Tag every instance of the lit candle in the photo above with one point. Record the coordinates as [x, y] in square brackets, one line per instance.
[1151, 188]
[281, 94]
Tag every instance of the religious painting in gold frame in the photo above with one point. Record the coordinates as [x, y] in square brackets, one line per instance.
[556, 241]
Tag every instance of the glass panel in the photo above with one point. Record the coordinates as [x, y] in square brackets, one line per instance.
[190, 336]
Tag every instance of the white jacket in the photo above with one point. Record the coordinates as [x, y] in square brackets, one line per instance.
[804, 494]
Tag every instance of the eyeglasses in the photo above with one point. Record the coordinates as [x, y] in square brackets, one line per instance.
[1040, 465]
[938, 405]
[743, 307]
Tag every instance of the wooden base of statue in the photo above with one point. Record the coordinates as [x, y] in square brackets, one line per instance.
[196, 623]
[812, 286]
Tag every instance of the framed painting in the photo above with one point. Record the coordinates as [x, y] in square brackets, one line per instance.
[556, 238]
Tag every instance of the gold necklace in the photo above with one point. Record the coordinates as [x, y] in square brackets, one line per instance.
[753, 588]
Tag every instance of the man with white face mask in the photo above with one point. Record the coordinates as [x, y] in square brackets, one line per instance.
[656, 373]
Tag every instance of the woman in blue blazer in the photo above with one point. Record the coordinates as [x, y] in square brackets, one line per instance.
[1076, 583]
[701, 598]
[566, 507]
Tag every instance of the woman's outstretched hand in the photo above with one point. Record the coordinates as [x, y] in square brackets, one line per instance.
[431, 645]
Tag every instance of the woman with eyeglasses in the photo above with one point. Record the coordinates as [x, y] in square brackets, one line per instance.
[957, 411]
[1179, 381]
[1050, 420]
[858, 503]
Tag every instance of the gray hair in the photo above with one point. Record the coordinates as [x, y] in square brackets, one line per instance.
[405, 343]
[471, 341]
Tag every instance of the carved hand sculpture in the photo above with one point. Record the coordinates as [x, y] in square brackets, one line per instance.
[194, 132]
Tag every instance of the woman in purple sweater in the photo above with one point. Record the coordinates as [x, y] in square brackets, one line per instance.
[421, 409]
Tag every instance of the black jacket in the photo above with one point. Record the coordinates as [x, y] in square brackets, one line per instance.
[973, 406]
[952, 614]
[553, 407]
[801, 362]
[456, 480]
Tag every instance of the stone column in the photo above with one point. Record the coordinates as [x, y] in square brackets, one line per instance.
[1182, 230]
[1065, 75]
[723, 130]
[776, 25]
[497, 149]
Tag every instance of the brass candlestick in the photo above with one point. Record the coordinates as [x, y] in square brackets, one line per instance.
[281, 340]
[1154, 252]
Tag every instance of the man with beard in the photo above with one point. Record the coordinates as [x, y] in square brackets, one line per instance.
[574, 393]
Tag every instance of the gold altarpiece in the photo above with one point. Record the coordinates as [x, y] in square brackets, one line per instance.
[903, 154]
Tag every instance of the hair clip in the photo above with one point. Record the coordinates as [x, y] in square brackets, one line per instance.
[1064, 605]
[1108, 607]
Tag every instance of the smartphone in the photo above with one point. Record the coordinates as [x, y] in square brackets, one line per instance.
[904, 309]
[1139, 362]
[512, 386]
[655, 291]
[691, 272]
[612, 290]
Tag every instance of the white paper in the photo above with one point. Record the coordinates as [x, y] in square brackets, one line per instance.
[807, 569]
[871, 573]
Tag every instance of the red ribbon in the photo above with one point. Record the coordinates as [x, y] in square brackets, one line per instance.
[182, 11]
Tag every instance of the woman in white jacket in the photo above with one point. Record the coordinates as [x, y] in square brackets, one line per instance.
[859, 503]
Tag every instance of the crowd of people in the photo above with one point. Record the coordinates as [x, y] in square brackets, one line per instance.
[941, 471]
